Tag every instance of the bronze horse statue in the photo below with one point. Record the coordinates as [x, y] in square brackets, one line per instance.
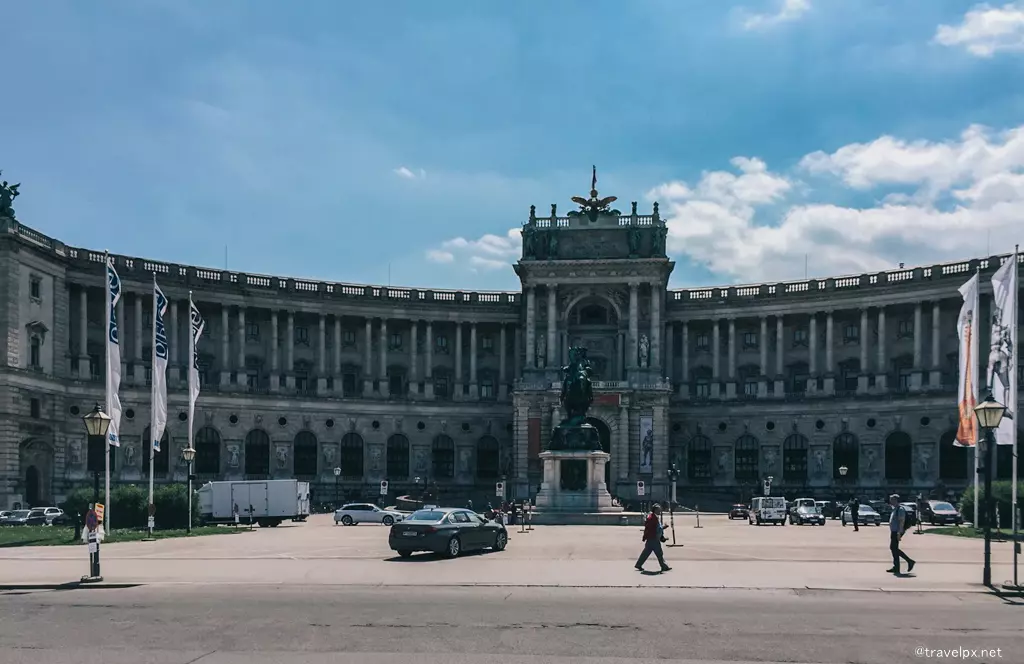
[577, 395]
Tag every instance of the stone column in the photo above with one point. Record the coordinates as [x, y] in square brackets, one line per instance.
[668, 368]
[622, 458]
[916, 376]
[502, 372]
[632, 354]
[458, 361]
[225, 346]
[655, 359]
[762, 342]
[935, 377]
[173, 353]
[275, 366]
[83, 333]
[862, 379]
[368, 358]
[812, 364]
[552, 326]
[289, 351]
[383, 383]
[531, 327]
[474, 381]
[830, 369]
[428, 369]
[517, 366]
[138, 368]
[684, 362]
[339, 387]
[321, 358]
[881, 376]
[716, 361]
[780, 357]
[414, 358]
[241, 342]
[730, 385]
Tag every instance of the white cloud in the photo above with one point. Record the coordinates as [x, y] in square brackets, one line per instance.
[958, 194]
[986, 30]
[404, 172]
[788, 10]
[490, 252]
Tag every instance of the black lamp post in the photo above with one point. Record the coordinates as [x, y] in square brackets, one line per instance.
[188, 455]
[673, 476]
[337, 488]
[990, 413]
[842, 478]
[97, 423]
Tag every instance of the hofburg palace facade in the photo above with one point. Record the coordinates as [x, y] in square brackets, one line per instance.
[794, 380]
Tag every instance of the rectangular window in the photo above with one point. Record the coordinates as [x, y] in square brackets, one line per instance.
[395, 342]
[252, 380]
[301, 335]
[35, 354]
[35, 288]
[441, 387]
[348, 339]
[487, 343]
[703, 388]
[905, 329]
[252, 331]
[750, 340]
[348, 384]
[34, 408]
[750, 388]
[149, 375]
[800, 337]
[703, 343]
[487, 389]
[301, 382]
[441, 342]
[147, 321]
[851, 334]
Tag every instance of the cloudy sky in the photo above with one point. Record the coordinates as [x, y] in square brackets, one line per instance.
[397, 140]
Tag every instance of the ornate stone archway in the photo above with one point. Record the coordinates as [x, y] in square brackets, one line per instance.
[35, 476]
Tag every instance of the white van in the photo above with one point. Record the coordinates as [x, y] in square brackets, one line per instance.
[768, 509]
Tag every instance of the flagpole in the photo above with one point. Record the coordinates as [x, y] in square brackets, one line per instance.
[152, 408]
[1014, 325]
[191, 403]
[975, 360]
[106, 379]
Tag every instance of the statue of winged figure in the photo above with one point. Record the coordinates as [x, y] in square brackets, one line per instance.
[593, 206]
[8, 192]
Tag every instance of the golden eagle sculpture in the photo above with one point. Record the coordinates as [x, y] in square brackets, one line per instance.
[592, 207]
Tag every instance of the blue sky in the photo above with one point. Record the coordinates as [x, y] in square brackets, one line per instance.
[344, 140]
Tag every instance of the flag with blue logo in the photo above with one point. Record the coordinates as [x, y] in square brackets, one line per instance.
[196, 327]
[159, 395]
[113, 379]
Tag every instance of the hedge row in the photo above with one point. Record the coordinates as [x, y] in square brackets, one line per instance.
[130, 505]
[1001, 493]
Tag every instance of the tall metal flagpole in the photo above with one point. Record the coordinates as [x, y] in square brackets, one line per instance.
[191, 403]
[152, 408]
[975, 360]
[1014, 331]
[106, 379]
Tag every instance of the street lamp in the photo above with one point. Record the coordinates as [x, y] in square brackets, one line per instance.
[189, 455]
[673, 476]
[990, 413]
[337, 488]
[97, 423]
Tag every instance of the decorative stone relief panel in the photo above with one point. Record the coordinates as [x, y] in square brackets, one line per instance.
[770, 460]
[819, 460]
[924, 455]
[871, 461]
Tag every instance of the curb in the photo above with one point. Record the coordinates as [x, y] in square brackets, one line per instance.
[70, 585]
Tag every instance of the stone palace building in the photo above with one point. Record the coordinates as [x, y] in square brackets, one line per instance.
[794, 380]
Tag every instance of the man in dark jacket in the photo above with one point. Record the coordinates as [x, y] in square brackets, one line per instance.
[653, 537]
[855, 512]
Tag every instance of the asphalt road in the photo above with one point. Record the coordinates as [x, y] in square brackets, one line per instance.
[424, 625]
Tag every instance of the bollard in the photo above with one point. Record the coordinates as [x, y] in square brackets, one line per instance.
[696, 508]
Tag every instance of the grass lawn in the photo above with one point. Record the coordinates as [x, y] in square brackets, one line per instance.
[56, 535]
[968, 532]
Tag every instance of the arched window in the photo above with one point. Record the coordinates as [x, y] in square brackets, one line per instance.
[797, 375]
[207, 445]
[954, 461]
[305, 454]
[442, 457]
[488, 460]
[160, 460]
[794, 458]
[398, 386]
[846, 452]
[398, 457]
[698, 468]
[303, 372]
[746, 458]
[899, 456]
[257, 453]
[352, 455]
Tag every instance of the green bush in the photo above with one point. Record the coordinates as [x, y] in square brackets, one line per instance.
[131, 505]
[172, 507]
[1001, 493]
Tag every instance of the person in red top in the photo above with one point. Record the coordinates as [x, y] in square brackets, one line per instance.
[653, 537]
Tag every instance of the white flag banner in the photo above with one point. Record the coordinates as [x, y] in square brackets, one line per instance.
[113, 378]
[1002, 355]
[159, 380]
[196, 326]
[967, 384]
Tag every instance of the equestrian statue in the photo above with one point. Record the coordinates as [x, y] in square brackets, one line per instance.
[574, 433]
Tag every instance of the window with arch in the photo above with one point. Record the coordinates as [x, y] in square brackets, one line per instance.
[954, 461]
[257, 453]
[350, 380]
[398, 457]
[592, 314]
[160, 459]
[207, 445]
[698, 467]
[899, 456]
[442, 457]
[303, 371]
[846, 452]
[488, 458]
[902, 368]
[487, 385]
[442, 384]
[794, 458]
[797, 375]
[305, 454]
[745, 462]
[397, 384]
[352, 455]
[849, 372]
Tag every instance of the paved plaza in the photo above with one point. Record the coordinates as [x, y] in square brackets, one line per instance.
[720, 554]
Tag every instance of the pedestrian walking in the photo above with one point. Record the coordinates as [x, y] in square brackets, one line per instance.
[654, 535]
[897, 526]
[855, 513]
[469, 505]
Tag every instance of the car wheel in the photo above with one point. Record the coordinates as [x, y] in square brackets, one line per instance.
[454, 548]
[404, 553]
[347, 520]
[500, 541]
[388, 520]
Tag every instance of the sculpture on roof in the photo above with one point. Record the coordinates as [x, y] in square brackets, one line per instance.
[593, 207]
[8, 192]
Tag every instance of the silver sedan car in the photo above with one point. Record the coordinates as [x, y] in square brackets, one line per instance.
[353, 513]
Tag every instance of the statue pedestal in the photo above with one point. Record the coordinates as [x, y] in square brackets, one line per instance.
[574, 483]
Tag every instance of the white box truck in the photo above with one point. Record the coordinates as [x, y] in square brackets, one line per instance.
[264, 502]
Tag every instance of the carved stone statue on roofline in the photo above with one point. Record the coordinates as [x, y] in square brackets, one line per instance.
[8, 192]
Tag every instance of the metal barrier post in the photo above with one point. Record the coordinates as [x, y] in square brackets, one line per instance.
[696, 508]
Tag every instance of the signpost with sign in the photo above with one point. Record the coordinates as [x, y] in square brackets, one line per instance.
[92, 523]
[383, 487]
[499, 489]
[641, 488]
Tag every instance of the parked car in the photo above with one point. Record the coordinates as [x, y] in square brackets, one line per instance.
[911, 519]
[939, 512]
[353, 513]
[866, 515]
[51, 514]
[806, 514]
[446, 530]
[739, 511]
[883, 508]
[830, 509]
[35, 517]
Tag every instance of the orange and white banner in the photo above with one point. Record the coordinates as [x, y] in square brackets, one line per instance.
[967, 388]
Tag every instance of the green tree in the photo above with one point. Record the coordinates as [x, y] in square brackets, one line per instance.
[1001, 493]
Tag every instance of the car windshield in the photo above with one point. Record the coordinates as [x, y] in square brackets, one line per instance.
[807, 509]
[945, 507]
[426, 515]
[20, 513]
[867, 508]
